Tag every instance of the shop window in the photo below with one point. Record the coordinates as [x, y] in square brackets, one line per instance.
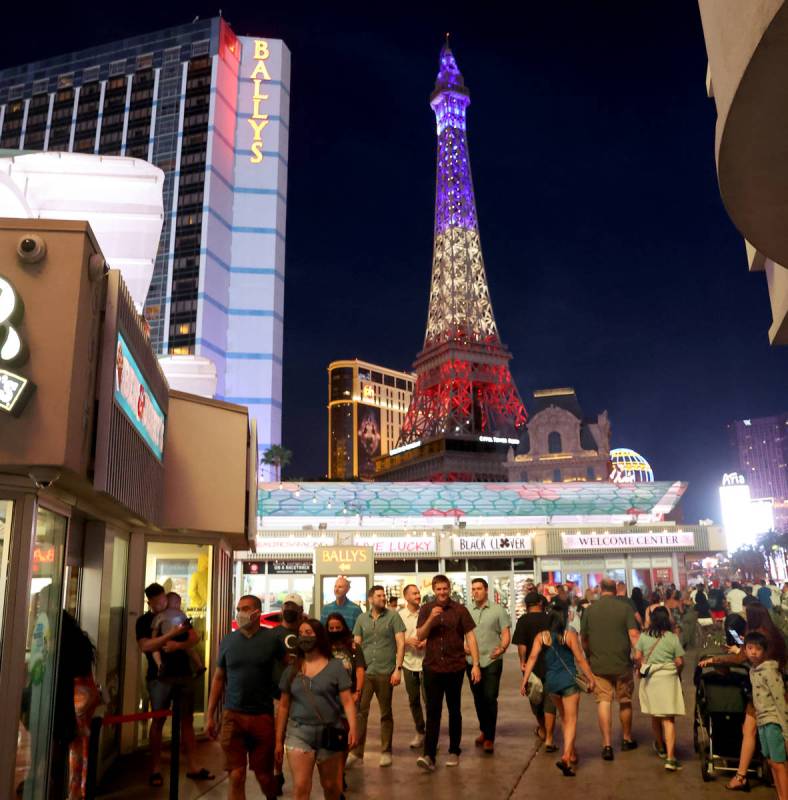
[396, 565]
[554, 442]
[428, 565]
[455, 564]
[489, 565]
[523, 565]
[187, 570]
[33, 755]
[6, 517]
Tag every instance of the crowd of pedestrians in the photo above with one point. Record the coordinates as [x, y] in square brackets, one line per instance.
[305, 690]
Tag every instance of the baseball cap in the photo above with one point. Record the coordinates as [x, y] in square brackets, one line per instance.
[533, 599]
[295, 599]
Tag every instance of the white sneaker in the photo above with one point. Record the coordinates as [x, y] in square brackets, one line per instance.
[417, 741]
[453, 760]
[385, 760]
[425, 762]
[352, 760]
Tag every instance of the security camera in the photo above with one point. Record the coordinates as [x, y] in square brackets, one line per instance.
[43, 477]
[31, 248]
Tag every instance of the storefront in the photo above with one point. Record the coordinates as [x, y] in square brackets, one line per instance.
[501, 533]
[108, 480]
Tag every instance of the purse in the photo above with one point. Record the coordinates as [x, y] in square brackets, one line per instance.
[645, 668]
[332, 738]
[535, 690]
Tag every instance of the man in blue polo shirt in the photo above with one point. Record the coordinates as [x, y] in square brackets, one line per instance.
[347, 608]
[245, 676]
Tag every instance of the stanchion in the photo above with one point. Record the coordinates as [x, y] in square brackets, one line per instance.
[93, 751]
[175, 742]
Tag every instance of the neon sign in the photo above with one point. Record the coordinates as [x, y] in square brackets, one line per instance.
[258, 120]
[14, 389]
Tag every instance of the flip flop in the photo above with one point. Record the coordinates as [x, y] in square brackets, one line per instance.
[201, 775]
[156, 779]
[551, 748]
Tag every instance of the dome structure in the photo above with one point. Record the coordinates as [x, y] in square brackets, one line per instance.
[629, 467]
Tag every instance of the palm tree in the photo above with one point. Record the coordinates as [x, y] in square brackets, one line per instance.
[277, 457]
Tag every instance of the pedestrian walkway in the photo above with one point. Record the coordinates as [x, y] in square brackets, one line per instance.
[519, 769]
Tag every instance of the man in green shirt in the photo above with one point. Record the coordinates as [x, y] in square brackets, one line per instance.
[492, 636]
[609, 633]
[381, 634]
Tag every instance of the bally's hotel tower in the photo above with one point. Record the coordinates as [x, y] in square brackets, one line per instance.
[211, 109]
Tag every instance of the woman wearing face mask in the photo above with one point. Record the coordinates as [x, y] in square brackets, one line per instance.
[315, 691]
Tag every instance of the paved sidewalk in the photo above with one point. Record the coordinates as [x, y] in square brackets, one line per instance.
[519, 769]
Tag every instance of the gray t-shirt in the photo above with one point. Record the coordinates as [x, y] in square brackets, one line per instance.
[321, 691]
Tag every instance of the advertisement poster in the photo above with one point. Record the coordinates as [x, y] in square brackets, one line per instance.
[368, 440]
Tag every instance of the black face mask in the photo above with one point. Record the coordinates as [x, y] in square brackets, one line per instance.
[336, 636]
[307, 643]
[291, 615]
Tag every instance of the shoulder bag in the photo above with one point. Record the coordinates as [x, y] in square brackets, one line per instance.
[645, 667]
[333, 738]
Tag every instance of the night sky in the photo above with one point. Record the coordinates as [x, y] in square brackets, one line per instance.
[612, 264]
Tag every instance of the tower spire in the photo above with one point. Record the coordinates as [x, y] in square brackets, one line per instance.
[464, 388]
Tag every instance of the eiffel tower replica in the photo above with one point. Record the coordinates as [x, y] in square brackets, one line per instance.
[465, 411]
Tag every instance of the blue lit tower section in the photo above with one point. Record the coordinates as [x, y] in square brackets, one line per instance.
[464, 388]
[239, 323]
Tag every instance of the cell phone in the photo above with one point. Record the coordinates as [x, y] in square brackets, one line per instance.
[736, 638]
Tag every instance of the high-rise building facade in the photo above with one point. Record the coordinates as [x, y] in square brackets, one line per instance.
[466, 410]
[761, 448]
[211, 109]
[367, 404]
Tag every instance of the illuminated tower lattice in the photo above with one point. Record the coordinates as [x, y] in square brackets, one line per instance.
[464, 388]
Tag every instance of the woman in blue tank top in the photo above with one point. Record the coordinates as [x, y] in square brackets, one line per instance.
[563, 659]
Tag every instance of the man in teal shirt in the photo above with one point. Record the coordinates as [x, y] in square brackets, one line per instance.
[381, 634]
[492, 636]
[347, 608]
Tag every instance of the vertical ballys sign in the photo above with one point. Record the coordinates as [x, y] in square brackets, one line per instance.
[259, 120]
[15, 390]
[135, 399]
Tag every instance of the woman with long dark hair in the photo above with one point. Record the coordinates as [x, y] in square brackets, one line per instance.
[661, 659]
[639, 602]
[347, 651]
[562, 658]
[315, 690]
[758, 620]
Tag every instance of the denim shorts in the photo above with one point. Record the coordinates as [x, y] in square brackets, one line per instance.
[568, 691]
[307, 739]
[772, 742]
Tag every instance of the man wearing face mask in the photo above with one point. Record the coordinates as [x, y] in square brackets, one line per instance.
[244, 674]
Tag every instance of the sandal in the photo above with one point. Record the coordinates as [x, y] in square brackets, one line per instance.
[201, 775]
[551, 748]
[565, 768]
[738, 783]
[156, 779]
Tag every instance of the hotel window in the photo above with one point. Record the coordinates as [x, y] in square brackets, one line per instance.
[590, 474]
[140, 105]
[62, 111]
[554, 442]
[36, 125]
[12, 124]
[557, 476]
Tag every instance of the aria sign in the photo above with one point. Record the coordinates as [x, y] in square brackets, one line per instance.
[135, 399]
[258, 120]
[14, 389]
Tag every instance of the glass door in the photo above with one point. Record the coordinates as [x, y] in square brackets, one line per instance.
[6, 514]
[34, 741]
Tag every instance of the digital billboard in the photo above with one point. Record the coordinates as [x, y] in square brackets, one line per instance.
[369, 437]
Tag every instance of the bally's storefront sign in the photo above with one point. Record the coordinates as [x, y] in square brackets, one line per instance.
[399, 546]
[627, 541]
[135, 399]
[503, 544]
[344, 560]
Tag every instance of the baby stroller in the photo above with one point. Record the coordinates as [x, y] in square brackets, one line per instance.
[721, 696]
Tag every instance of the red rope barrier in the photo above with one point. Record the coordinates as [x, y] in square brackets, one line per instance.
[143, 715]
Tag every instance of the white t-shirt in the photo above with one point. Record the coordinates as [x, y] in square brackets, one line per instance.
[736, 598]
[413, 656]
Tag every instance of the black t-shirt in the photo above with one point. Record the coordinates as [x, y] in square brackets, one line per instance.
[716, 600]
[289, 639]
[174, 665]
[528, 626]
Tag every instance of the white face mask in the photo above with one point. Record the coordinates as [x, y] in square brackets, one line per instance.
[243, 618]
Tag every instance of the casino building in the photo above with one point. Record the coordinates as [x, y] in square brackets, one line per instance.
[505, 532]
[211, 109]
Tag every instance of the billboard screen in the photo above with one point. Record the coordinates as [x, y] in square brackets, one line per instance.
[369, 437]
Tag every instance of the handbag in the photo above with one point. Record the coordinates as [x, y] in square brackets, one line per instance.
[332, 738]
[581, 681]
[535, 690]
[645, 668]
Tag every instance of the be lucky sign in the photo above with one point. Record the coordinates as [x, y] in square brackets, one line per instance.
[506, 543]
